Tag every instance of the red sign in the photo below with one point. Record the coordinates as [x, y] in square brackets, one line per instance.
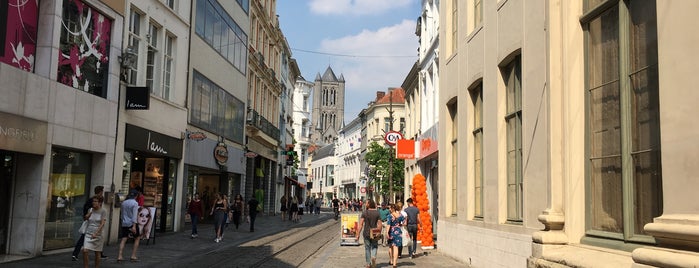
[405, 149]
[427, 147]
[363, 189]
[197, 136]
[392, 137]
[251, 154]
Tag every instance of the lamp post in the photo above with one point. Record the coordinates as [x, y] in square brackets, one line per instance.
[390, 149]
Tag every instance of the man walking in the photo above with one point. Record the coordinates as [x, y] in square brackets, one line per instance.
[413, 221]
[99, 191]
[252, 212]
[129, 211]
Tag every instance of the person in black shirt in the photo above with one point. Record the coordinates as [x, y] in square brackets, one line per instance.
[252, 212]
[336, 207]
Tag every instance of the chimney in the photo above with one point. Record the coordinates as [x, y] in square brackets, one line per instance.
[379, 95]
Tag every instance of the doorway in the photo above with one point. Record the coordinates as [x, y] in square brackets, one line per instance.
[7, 163]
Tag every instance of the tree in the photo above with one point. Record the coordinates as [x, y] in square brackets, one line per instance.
[378, 157]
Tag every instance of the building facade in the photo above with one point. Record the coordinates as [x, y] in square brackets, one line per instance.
[58, 118]
[149, 154]
[217, 87]
[352, 185]
[264, 104]
[302, 126]
[561, 134]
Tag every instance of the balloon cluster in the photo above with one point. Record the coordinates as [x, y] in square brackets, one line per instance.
[419, 195]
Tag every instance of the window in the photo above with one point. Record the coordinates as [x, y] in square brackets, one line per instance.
[477, 13]
[167, 66]
[220, 31]
[454, 26]
[513, 119]
[624, 181]
[170, 4]
[454, 149]
[477, 98]
[134, 43]
[245, 4]
[216, 110]
[402, 124]
[18, 32]
[387, 124]
[83, 59]
[152, 60]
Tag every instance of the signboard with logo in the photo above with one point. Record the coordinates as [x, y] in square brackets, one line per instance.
[137, 98]
[405, 149]
[22, 134]
[221, 154]
[144, 140]
[392, 137]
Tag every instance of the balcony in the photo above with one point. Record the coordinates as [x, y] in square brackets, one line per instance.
[261, 123]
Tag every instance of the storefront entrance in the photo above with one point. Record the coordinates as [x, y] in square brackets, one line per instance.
[6, 176]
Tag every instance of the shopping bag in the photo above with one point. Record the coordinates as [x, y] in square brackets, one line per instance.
[405, 236]
[83, 227]
[375, 234]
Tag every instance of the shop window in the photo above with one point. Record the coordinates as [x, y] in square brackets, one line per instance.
[68, 190]
[83, 59]
[18, 27]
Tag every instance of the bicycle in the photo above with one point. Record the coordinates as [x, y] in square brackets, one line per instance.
[337, 212]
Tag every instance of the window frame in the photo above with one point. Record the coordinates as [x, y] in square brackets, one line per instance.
[593, 11]
[477, 132]
[512, 76]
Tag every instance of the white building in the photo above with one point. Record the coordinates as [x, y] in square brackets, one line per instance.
[322, 170]
[302, 125]
[348, 153]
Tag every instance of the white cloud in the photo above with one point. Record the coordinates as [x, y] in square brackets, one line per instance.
[393, 51]
[355, 7]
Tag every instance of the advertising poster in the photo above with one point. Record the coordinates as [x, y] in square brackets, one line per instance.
[348, 233]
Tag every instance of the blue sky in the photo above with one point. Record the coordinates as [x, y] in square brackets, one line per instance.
[371, 42]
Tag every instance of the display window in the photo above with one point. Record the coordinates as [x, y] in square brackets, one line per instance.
[154, 180]
[69, 189]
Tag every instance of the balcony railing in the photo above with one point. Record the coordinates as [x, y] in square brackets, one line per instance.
[261, 123]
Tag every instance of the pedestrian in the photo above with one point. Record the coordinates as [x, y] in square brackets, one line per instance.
[99, 191]
[218, 210]
[395, 221]
[282, 202]
[294, 209]
[413, 221]
[237, 207]
[370, 219]
[302, 206]
[96, 218]
[196, 213]
[401, 209]
[129, 226]
[310, 204]
[318, 204]
[252, 212]
[383, 212]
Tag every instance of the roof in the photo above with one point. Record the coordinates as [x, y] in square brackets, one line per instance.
[329, 75]
[398, 96]
[325, 151]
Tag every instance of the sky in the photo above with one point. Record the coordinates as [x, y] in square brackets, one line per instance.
[372, 43]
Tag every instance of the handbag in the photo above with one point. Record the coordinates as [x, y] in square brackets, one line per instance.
[405, 236]
[375, 234]
[83, 227]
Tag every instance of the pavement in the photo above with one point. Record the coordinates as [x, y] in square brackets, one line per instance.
[167, 248]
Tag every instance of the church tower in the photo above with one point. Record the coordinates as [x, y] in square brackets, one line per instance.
[328, 107]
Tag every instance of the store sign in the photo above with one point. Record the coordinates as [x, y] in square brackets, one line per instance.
[392, 137]
[137, 98]
[405, 149]
[22, 134]
[149, 141]
[221, 154]
[196, 136]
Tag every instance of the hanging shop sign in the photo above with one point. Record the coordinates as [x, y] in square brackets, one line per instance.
[221, 154]
[392, 137]
[137, 98]
[405, 149]
[196, 136]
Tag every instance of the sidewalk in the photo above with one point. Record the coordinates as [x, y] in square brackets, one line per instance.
[169, 247]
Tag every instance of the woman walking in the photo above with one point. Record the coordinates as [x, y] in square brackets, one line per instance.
[237, 206]
[219, 209]
[395, 221]
[196, 213]
[96, 218]
[370, 219]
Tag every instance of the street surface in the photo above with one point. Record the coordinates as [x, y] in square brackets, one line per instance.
[314, 242]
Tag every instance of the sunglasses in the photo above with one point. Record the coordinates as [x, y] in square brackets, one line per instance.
[144, 215]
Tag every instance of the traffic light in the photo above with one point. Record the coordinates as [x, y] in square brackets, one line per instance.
[290, 155]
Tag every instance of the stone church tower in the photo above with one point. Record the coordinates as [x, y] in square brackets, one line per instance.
[328, 107]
